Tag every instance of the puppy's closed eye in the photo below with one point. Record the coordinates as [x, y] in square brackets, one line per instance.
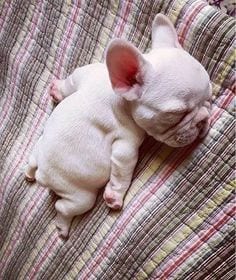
[174, 117]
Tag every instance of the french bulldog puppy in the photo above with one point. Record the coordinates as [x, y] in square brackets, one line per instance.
[93, 136]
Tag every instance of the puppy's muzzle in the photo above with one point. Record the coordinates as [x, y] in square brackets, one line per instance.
[198, 127]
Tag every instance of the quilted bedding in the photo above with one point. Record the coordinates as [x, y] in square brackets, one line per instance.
[178, 218]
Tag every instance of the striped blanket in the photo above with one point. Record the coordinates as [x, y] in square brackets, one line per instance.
[178, 217]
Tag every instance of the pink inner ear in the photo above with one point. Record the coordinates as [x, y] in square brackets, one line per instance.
[131, 75]
[123, 67]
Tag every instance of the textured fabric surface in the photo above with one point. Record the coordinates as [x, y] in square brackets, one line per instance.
[227, 6]
[178, 216]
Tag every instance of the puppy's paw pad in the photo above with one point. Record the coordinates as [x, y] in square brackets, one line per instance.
[55, 92]
[113, 201]
[109, 200]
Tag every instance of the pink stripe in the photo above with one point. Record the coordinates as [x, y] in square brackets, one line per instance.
[5, 10]
[67, 36]
[17, 62]
[226, 216]
[219, 213]
[161, 266]
[44, 98]
[8, 101]
[19, 159]
[194, 11]
[116, 30]
[225, 102]
[53, 242]
[122, 20]
[21, 226]
[137, 205]
[122, 25]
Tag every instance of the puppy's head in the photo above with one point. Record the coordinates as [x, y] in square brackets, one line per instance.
[168, 90]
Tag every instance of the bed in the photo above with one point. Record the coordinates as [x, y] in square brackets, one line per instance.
[178, 217]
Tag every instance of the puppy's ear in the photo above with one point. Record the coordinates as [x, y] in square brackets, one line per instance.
[126, 66]
[164, 33]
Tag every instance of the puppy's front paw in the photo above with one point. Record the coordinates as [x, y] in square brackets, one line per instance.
[55, 92]
[113, 199]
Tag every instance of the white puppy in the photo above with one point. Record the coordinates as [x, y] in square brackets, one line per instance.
[93, 136]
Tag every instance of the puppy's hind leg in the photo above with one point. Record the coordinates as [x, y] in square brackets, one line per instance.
[69, 207]
[32, 165]
[31, 169]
